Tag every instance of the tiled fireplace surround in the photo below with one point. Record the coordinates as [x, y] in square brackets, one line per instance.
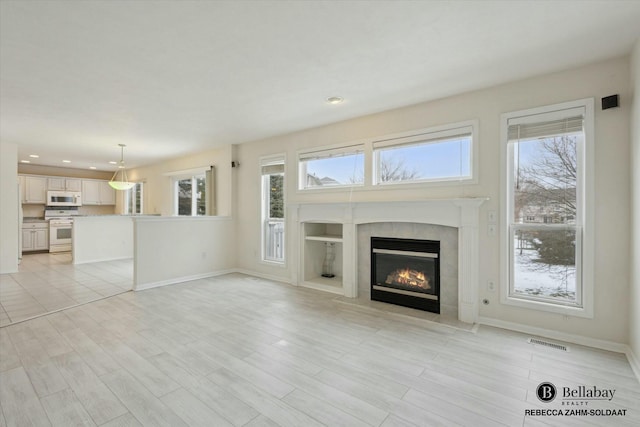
[454, 222]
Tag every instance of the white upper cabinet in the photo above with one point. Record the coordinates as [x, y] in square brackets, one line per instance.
[35, 190]
[64, 184]
[96, 192]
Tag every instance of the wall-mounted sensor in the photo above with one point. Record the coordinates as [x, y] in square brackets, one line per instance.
[611, 101]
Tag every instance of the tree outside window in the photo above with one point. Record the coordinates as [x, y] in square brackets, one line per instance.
[191, 196]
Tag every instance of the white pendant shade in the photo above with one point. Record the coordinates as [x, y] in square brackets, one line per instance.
[119, 180]
[122, 185]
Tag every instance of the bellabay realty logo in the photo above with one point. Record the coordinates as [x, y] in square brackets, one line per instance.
[581, 395]
[547, 392]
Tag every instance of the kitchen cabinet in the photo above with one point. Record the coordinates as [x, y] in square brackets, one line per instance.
[35, 236]
[22, 180]
[35, 190]
[97, 192]
[64, 184]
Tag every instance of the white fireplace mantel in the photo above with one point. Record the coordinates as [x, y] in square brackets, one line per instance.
[462, 213]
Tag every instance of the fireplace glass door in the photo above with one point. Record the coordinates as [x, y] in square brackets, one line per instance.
[406, 272]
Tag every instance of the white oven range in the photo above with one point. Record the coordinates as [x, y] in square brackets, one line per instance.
[60, 228]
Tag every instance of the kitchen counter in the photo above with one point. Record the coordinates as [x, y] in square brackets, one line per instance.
[33, 219]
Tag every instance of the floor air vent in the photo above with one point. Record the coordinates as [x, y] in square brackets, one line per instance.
[548, 344]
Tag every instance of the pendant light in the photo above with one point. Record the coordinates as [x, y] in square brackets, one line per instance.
[121, 182]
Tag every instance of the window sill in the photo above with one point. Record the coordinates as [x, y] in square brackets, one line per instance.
[548, 307]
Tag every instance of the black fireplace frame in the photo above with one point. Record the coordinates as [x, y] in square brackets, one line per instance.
[409, 245]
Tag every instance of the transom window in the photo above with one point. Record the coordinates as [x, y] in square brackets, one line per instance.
[546, 197]
[332, 168]
[434, 156]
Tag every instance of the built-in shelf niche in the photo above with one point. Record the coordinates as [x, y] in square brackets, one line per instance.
[316, 236]
[341, 220]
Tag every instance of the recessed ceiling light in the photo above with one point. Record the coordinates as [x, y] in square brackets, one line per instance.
[113, 163]
[25, 161]
[33, 156]
[66, 161]
[334, 100]
[92, 167]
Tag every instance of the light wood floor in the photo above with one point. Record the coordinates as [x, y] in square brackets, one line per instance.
[48, 282]
[241, 351]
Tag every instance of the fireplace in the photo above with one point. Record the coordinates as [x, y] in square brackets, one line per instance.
[406, 272]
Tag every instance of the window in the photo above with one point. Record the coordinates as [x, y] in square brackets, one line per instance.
[439, 155]
[332, 168]
[133, 200]
[548, 151]
[273, 208]
[191, 195]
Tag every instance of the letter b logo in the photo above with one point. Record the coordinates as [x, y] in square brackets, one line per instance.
[546, 392]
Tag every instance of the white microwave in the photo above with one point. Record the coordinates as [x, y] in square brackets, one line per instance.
[64, 198]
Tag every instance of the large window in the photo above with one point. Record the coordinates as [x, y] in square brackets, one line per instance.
[273, 209]
[546, 200]
[332, 168]
[133, 200]
[441, 155]
[191, 195]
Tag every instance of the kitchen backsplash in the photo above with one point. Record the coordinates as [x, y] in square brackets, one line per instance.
[37, 211]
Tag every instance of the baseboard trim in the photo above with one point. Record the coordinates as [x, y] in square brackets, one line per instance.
[263, 276]
[89, 261]
[560, 336]
[176, 280]
[634, 361]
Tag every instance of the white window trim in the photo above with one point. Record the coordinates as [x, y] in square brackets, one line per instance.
[127, 199]
[436, 134]
[586, 193]
[353, 148]
[367, 146]
[265, 161]
[194, 204]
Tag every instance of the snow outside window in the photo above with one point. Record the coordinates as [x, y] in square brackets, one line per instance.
[546, 205]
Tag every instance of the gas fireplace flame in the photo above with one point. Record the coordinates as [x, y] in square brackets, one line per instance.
[408, 277]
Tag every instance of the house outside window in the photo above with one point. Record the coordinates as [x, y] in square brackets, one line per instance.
[331, 168]
[547, 233]
[273, 209]
[191, 196]
[133, 200]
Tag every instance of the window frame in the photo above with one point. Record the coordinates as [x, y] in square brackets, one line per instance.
[128, 199]
[428, 136]
[585, 252]
[194, 204]
[265, 208]
[328, 152]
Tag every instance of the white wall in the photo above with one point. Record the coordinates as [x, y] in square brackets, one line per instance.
[175, 249]
[102, 238]
[634, 300]
[9, 222]
[612, 173]
[158, 189]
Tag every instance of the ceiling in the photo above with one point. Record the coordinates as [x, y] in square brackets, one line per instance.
[168, 78]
